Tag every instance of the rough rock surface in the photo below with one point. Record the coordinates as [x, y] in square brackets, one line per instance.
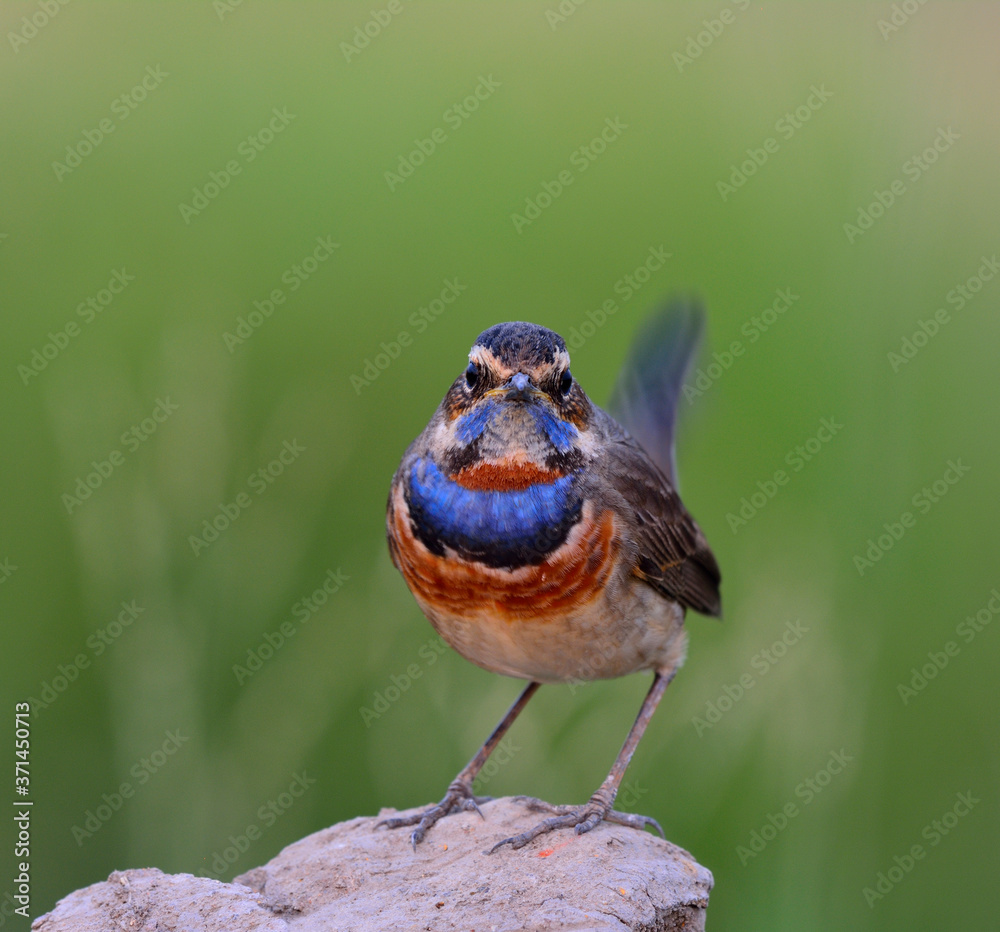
[354, 877]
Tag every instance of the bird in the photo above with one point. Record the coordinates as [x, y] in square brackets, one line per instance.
[545, 539]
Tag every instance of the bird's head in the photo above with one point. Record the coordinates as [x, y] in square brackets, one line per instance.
[516, 399]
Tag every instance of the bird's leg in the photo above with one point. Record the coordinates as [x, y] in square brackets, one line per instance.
[459, 797]
[599, 809]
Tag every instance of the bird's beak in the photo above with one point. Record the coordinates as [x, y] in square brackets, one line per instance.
[517, 388]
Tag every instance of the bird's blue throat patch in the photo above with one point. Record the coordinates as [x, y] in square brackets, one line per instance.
[499, 528]
[560, 433]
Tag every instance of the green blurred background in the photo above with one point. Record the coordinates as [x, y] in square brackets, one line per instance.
[216, 75]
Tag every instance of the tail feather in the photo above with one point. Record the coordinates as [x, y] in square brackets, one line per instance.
[646, 394]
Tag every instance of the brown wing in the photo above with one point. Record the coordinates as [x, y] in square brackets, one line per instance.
[674, 557]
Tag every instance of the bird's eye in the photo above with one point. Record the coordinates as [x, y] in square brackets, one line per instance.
[472, 375]
[565, 382]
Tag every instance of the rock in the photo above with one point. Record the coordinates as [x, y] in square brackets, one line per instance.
[353, 877]
[145, 900]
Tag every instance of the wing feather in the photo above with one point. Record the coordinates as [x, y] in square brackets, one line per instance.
[673, 555]
[645, 396]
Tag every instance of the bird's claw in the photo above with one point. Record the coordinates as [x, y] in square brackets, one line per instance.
[582, 818]
[459, 798]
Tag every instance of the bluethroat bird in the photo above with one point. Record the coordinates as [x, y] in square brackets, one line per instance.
[546, 540]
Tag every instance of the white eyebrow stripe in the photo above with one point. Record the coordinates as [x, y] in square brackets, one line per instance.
[484, 356]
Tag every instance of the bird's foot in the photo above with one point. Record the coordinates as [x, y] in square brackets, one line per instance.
[584, 818]
[459, 798]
